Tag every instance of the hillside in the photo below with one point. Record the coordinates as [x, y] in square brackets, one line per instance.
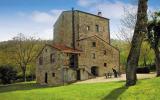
[7, 47]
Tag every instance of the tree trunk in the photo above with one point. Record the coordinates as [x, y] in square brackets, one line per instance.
[24, 74]
[157, 54]
[139, 32]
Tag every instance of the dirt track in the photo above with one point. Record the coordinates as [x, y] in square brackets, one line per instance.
[121, 78]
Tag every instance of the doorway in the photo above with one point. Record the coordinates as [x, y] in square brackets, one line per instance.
[94, 70]
[46, 78]
[78, 75]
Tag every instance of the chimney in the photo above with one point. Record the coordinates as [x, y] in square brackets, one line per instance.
[99, 13]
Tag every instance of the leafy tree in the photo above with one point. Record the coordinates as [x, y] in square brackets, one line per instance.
[25, 52]
[153, 37]
[7, 74]
[139, 33]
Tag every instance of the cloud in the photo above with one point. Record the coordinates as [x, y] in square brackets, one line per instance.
[45, 17]
[86, 3]
[41, 17]
[36, 22]
[113, 10]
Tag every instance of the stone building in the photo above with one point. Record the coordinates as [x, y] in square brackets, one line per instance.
[81, 49]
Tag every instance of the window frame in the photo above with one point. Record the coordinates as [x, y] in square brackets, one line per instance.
[52, 60]
[88, 28]
[105, 64]
[97, 28]
[40, 60]
[93, 44]
[53, 74]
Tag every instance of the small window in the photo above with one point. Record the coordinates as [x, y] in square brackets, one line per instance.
[52, 58]
[104, 52]
[93, 44]
[40, 60]
[53, 74]
[46, 50]
[97, 28]
[67, 54]
[93, 56]
[105, 64]
[88, 28]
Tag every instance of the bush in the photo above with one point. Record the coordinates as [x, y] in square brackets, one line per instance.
[7, 74]
[152, 67]
[143, 70]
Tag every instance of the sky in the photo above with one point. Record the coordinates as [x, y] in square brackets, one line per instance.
[37, 17]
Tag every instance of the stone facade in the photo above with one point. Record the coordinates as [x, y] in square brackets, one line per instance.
[81, 49]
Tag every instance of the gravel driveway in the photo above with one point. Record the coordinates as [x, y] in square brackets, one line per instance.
[121, 78]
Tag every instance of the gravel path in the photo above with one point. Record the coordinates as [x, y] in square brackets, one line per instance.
[121, 78]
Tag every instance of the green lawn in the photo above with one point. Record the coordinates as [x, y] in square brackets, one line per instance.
[148, 89]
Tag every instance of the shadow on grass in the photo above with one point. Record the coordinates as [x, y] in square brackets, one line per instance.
[113, 95]
[21, 86]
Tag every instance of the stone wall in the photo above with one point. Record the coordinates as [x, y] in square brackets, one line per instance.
[63, 29]
[90, 20]
[70, 75]
[84, 38]
[61, 61]
[63, 32]
[111, 58]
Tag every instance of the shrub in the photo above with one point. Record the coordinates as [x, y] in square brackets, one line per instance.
[143, 70]
[7, 74]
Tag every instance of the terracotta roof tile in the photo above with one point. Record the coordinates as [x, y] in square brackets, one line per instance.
[65, 48]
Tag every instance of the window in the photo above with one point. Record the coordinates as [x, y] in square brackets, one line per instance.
[53, 74]
[52, 60]
[46, 50]
[88, 28]
[105, 64]
[93, 55]
[97, 28]
[40, 60]
[93, 44]
[67, 54]
[104, 52]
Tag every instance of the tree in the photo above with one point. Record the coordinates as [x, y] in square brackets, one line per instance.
[153, 37]
[7, 74]
[128, 22]
[139, 33]
[25, 51]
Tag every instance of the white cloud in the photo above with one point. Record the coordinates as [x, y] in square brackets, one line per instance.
[86, 3]
[112, 10]
[45, 17]
[41, 17]
[39, 23]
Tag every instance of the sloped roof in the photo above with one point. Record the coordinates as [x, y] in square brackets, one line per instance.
[64, 48]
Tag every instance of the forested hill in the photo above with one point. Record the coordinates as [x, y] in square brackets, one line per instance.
[7, 47]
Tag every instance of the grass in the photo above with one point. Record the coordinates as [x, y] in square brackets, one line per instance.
[148, 89]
